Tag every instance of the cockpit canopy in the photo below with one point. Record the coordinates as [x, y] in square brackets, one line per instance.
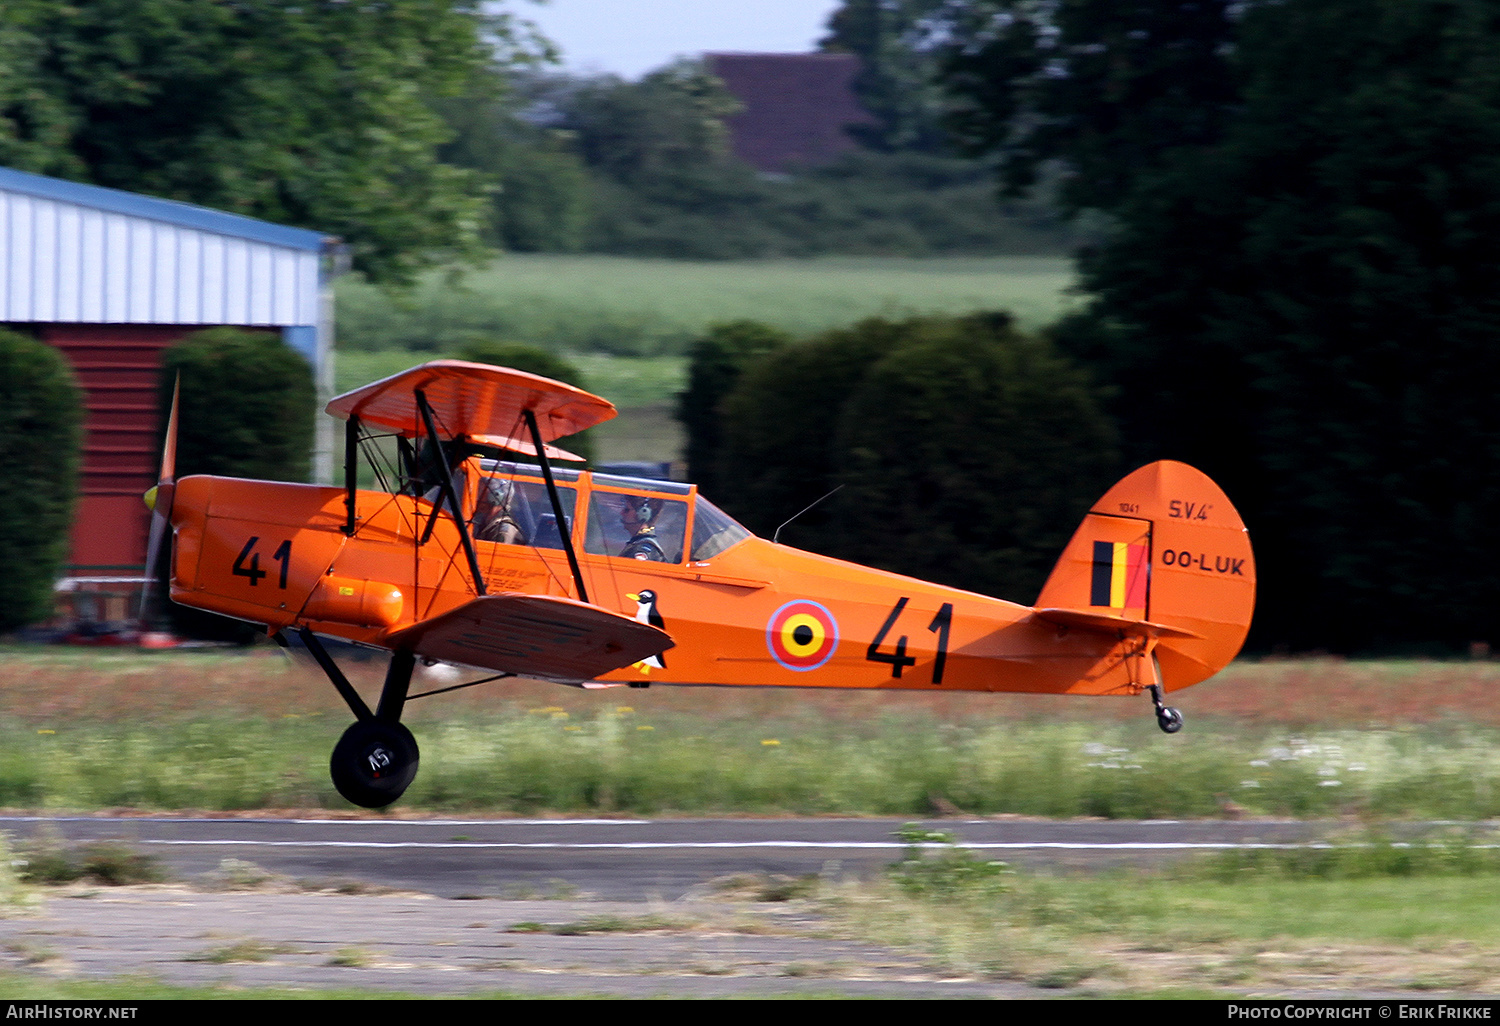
[626, 517]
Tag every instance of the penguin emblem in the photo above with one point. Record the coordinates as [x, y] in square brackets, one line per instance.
[646, 612]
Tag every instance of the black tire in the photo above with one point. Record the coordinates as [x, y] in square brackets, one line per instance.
[1169, 720]
[374, 763]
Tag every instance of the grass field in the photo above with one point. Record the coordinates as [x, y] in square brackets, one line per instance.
[1366, 742]
[179, 731]
[585, 304]
[626, 323]
[1177, 932]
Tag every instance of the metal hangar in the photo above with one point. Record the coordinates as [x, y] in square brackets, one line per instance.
[112, 279]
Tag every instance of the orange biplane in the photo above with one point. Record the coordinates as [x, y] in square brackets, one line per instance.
[590, 579]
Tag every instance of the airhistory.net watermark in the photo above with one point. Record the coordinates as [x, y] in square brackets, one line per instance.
[47, 1010]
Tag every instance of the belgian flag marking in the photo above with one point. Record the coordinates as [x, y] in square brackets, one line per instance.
[1120, 572]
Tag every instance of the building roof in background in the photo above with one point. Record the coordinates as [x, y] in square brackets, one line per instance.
[797, 106]
[84, 254]
[184, 215]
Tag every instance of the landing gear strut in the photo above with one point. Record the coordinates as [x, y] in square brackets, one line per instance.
[376, 759]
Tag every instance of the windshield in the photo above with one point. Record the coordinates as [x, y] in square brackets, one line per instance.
[713, 531]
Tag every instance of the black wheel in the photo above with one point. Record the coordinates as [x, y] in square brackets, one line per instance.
[1169, 720]
[374, 763]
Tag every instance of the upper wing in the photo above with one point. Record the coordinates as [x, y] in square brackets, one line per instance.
[473, 399]
[541, 636]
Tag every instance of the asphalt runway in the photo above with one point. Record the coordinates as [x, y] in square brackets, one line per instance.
[627, 859]
[483, 906]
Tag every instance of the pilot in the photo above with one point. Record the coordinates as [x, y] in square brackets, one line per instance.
[492, 517]
[639, 517]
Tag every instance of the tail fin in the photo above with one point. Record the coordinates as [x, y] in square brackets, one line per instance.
[1164, 557]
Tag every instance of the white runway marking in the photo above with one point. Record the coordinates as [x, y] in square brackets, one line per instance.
[658, 845]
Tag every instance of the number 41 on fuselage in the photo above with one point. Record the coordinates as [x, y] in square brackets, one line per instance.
[523, 569]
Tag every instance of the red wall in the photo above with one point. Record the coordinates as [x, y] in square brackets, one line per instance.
[117, 366]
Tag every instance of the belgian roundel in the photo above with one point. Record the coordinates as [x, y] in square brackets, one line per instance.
[802, 635]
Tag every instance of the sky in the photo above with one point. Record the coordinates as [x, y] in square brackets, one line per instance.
[631, 37]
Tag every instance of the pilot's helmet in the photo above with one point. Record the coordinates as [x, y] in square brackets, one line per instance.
[641, 509]
[495, 494]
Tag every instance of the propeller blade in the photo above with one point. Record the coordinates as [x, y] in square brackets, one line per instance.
[160, 521]
[169, 446]
[159, 499]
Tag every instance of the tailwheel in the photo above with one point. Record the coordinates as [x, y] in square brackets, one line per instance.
[374, 763]
[1167, 718]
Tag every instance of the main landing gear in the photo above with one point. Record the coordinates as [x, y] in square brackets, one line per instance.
[376, 759]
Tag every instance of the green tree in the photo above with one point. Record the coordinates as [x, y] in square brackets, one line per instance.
[41, 432]
[780, 426]
[35, 124]
[715, 363]
[541, 195]
[311, 114]
[967, 450]
[899, 64]
[246, 409]
[665, 183]
[535, 361]
[545, 201]
[247, 405]
[642, 168]
[1102, 88]
[1354, 214]
[644, 133]
[971, 451]
[1301, 302]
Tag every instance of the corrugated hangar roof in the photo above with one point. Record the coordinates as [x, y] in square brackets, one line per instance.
[82, 253]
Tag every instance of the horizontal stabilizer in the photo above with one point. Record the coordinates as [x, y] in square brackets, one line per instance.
[542, 636]
[1123, 625]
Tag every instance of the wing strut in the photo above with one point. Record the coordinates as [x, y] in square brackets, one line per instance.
[351, 470]
[446, 481]
[564, 527]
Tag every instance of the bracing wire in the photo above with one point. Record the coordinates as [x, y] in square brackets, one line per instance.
[459, 687]
[374, 456]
